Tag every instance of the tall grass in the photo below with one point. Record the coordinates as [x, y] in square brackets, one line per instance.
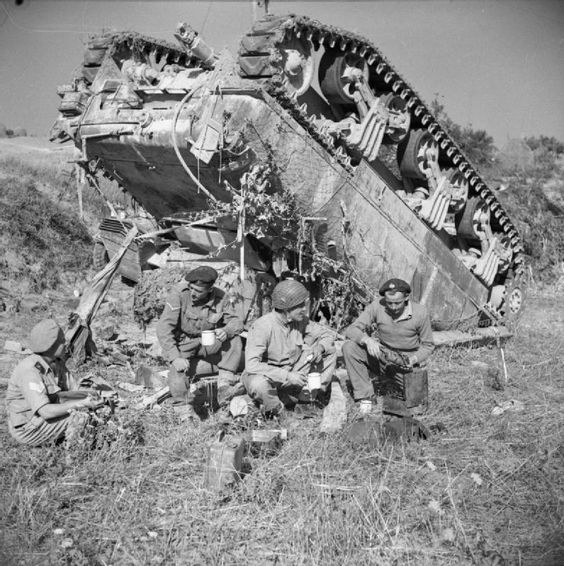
[43, 241]
[54, 174]
[483, 488]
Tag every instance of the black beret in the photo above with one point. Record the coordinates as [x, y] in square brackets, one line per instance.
[204, 274]
[395, 285]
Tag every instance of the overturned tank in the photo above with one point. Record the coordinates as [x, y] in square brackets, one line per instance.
[322, 114]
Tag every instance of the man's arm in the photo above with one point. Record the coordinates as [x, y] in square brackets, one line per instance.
[319, 334]
[257, 344]
[357, 330]
[53, 410]
[232, 318]
[167, 325]
[426, 343]
[35, 393]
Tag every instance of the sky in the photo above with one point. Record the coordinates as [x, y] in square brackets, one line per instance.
[496, 65]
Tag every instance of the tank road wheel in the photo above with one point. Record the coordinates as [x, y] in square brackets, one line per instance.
[514, 300]
[399, 120]
[298, 65]
[332, 68]
[459, 191]
[100, 256]
[505, 253]
[417, 153]
[476, 214]
[509, 299]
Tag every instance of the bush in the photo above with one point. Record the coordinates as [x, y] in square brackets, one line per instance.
[41, 241]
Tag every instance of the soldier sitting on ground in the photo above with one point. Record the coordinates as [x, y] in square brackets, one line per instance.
[396, 353]
[37, 413]
[193, 306]
[283, 346]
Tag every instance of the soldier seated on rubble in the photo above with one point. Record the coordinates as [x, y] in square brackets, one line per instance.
[283, 347]
[396, 354]
[192, 307]
[37, 413]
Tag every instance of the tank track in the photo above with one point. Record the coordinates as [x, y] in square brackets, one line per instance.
[260, 59]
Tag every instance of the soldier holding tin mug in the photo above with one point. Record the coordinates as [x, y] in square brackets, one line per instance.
[288, 358]
[199, 335]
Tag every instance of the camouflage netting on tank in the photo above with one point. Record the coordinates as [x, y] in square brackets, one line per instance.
[250, 297]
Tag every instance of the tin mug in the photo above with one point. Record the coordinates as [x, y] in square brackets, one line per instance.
[208, 338]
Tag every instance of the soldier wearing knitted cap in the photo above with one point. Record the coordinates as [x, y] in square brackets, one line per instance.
[395, 353]
[283, 346]
[194, 306]
[36, 413]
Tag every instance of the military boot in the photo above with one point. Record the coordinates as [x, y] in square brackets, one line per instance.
[371, 410]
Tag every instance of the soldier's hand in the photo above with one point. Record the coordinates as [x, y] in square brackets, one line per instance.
[317, 353]
[372, 346]
[180, 364]
[412, 360]
[92, 402]
[296, 378]
[220, 334]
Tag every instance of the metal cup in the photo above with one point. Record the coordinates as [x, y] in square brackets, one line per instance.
[208, 337]
[314, 381]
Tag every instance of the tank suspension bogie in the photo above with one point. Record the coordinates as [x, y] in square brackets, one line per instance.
[474, 222]
[399, 118]
[434, 209]
[415, 154]
[487, 266]
[505, 253]
[337, 74]
[458, 190]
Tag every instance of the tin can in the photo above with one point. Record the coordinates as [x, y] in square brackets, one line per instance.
[225, 461]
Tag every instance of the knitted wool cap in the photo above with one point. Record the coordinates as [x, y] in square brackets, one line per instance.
[44, 335]
[288, 294]
[396, 286]
[202, 274]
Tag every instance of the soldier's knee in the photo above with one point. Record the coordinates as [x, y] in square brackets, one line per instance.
[350, 349]
[176, 382]
[257, 386]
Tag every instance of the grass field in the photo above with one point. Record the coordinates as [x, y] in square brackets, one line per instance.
[487, 488]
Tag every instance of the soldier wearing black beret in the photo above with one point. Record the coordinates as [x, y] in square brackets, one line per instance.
[193, 306]
[392, 339]
[395, 285]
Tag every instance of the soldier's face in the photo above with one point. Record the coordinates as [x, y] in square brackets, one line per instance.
[61, 351]
[298, 313]
[200, 291]
[395, 303]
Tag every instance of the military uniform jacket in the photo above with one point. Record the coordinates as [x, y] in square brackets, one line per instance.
[33, 383]
[410, 332]
[274, 346]
[182, 322]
